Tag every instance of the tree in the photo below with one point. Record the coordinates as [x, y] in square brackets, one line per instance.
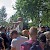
[14, 17]
[31, 9]
[3, 15]
[3, 12]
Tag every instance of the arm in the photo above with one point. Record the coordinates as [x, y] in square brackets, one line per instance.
[17, 22]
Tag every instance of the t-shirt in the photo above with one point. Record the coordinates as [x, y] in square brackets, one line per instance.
[19, 27]
[16, 43]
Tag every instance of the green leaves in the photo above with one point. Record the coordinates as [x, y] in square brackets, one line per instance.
[31, 9]
[3, 14]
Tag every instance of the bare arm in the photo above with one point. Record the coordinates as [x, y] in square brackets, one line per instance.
[17, 22]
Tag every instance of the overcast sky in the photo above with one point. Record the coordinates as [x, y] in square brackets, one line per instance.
[8, 5]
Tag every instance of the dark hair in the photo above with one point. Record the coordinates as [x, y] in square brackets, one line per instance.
[42, 38]
[2, 27]
[14, 32]
[42, 26]
[3, 35]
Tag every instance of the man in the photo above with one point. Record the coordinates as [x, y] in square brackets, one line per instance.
[32, 38]
[19, 24]
[17, 40]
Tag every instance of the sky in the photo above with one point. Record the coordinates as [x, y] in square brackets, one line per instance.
[8, 5]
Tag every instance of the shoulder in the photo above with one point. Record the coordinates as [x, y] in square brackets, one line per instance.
[24, 46]
[23, 37]
[14, 43]
[14, 40]
[25, 43]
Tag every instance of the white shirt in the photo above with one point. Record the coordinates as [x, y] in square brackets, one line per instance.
[19, 27]
[16, 43]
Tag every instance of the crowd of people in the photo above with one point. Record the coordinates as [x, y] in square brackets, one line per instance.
[35, 38]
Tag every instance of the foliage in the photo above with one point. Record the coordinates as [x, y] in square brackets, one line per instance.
[30, 9]
[14, 17]
[3, 15]
[3, 12]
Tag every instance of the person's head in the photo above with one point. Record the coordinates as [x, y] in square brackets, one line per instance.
[42, 38]
[14, 34]
[42, 28]
[47, 36]
[20, 19]
[8, 29]
[2, 28]
[33, 33]
[25, 33]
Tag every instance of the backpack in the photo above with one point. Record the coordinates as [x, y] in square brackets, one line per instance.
[31, 46]
[35, 46]
[26, 45]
